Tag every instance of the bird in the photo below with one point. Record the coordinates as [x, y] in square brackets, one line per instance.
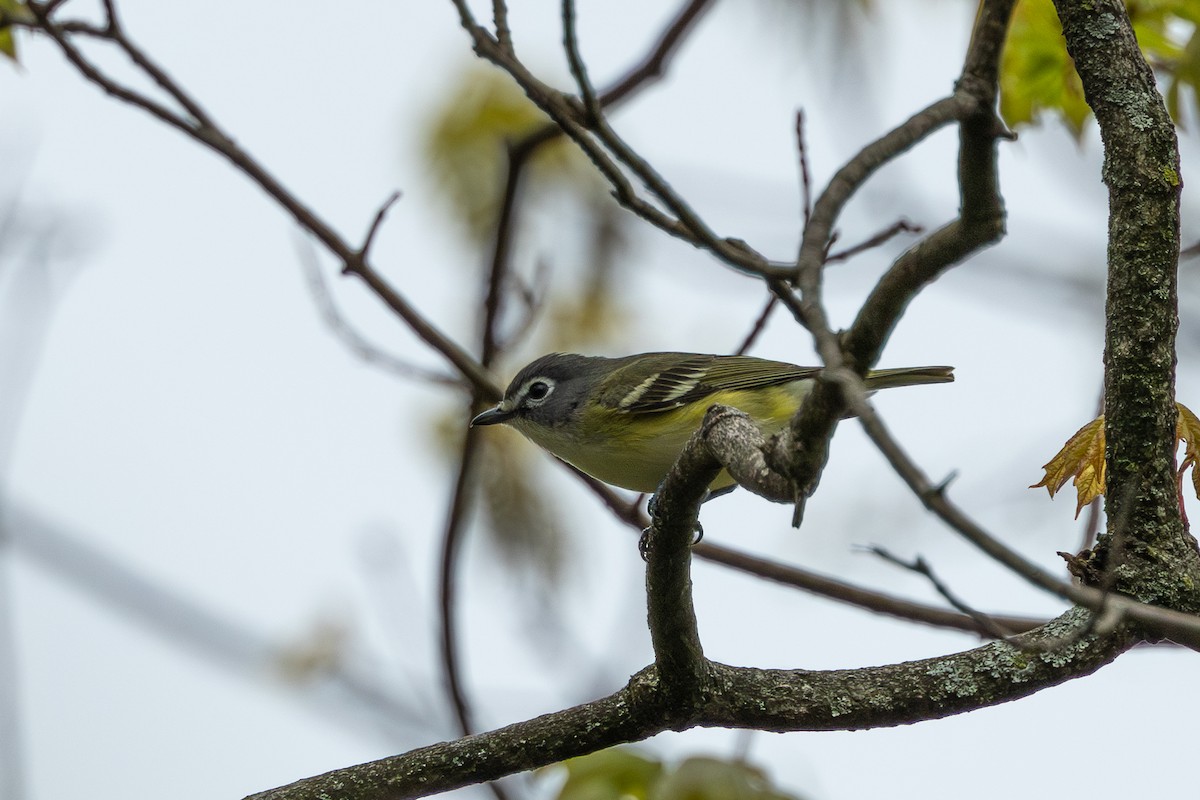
[625, 420]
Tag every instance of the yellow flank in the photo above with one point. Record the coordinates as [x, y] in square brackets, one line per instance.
[641, 455]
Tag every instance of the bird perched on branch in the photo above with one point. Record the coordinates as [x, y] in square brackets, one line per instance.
[625, 420]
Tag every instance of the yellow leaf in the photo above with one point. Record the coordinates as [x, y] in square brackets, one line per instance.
[1082, 457]
[1187, 430]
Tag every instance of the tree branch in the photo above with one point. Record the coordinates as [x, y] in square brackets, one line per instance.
[922, 567]
[683, 689]
[626, 716]
[738, 697]
[848, 594]
[1179, 625]
[200, 127]
[1141, 170]
[597, 139]
[807, 580]
[804, 448]
[452, 536]
[654, 65]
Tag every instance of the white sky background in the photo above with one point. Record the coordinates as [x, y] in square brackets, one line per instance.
[187, 413]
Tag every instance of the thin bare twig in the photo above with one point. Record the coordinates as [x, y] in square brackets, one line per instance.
[654, 65]
[760, 324]
[199, 126]
[806, 200]
[630, 513]
[1178, 626]
[804, 447]
[518, 158]
[597, 139]
[447, 590]
[901, 226]
[116, 33]
[920, 566]
[503, 33]
[848, 594]
[530, 297]
[351, 338]
[851, 177]
[652, 68]
[492, 302]
[502, 244]
[365, 249]
[578, 68]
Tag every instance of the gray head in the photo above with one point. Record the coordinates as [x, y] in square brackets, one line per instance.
[547, 393]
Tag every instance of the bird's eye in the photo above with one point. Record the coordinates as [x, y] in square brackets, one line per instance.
[538, 390]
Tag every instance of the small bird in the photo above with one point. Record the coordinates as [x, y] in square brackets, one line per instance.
[625, 420]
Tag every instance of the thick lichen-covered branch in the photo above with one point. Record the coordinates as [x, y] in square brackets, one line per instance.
[737, 697]
[1157, 561]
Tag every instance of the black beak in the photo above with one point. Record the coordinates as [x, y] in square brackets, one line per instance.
[493, 416]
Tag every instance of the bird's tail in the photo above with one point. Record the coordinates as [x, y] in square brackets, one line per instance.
[908, 376]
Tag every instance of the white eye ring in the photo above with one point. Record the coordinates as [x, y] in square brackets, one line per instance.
[537, 390]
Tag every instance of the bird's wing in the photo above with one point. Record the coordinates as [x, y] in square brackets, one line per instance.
[695, 377]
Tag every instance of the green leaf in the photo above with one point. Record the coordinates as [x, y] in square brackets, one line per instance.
[465, 147]
[622, 774]
[1184, 75]
[716, 779]
[14, 9]
[618, 773]
[8, 45]
[1036, 74]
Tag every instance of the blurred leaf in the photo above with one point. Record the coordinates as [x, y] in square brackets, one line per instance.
[621, 773]
[830, 35]
[466, 145]
[716, 779]
[522, 520]
[1037, 76]
[317, 653]
[618, 773]
[1186, 75]
[15, 9]
[597, 312]
[580, 323]
[1157, 25]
